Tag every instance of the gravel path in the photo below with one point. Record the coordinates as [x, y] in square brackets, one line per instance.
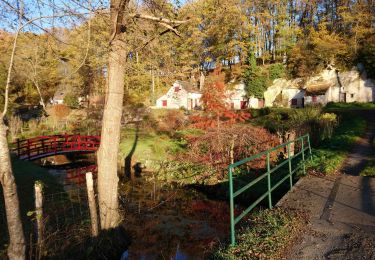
[341, 207]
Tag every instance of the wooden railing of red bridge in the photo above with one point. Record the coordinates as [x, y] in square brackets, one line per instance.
[43, 146]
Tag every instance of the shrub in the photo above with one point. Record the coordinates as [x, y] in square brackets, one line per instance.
[172, 121]
[327, 122]
[258, 112]
[71, 101]
[276, 71]
[214, 148]
[60, 111]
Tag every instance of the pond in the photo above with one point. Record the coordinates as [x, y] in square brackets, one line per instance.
[168, 221]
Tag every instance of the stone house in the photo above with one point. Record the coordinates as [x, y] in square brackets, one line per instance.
[334, 86]
[285, 93]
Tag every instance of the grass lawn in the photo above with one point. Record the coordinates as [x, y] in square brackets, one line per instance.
[369, 170]
[330, 155]
[148, 146]
[350, 106]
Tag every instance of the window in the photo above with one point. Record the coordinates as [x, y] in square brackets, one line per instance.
[352, 95]
[294, 102]
[176, 89]
[164, 103]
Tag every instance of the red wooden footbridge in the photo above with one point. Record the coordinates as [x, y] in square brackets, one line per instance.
[44, 146]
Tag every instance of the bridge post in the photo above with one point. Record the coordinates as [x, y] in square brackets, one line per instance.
[79, 142]
[28, 149]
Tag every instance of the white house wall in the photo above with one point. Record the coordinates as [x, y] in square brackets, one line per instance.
[320, 99]
[180, 99]
[253, 102]
[357, 87]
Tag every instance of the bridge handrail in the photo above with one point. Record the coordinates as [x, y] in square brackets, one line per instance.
[270, 188]
[29, 148]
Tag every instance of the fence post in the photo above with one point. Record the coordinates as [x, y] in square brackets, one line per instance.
[92, 204]
[308, 141]
[269, 181]
[231, 202]
[303, 156]
[290, 167]
[38, 189]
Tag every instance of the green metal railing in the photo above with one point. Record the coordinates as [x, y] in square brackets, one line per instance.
[233, 194]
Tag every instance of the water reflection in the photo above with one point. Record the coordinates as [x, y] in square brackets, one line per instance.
[167, 221]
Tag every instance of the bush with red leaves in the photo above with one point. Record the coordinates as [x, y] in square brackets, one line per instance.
[213, 148]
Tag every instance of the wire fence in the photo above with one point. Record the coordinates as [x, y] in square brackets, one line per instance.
[66, 225]
[66, 221]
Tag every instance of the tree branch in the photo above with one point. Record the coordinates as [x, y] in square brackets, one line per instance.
[170, 28]
[157, 19]
[156, 36]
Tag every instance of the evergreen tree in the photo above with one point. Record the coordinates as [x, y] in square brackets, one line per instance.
[255, 83]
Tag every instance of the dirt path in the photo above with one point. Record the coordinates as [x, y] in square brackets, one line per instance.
[342, 208]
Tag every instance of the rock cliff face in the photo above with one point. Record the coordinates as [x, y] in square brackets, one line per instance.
[330, 85]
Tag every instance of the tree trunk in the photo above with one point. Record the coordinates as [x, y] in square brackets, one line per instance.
[110, 137]
[17, 247]
[111, 122]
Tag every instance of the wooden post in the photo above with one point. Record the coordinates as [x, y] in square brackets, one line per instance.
[92, 204]
[38, 189]
[232, 152]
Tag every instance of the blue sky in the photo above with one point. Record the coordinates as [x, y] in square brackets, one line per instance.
[37, 8]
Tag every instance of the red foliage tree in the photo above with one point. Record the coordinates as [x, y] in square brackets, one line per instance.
[217, 111]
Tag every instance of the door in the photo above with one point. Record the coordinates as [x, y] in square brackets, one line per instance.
[164, 103]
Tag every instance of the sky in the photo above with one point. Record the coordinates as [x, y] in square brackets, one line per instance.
[48, 8]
